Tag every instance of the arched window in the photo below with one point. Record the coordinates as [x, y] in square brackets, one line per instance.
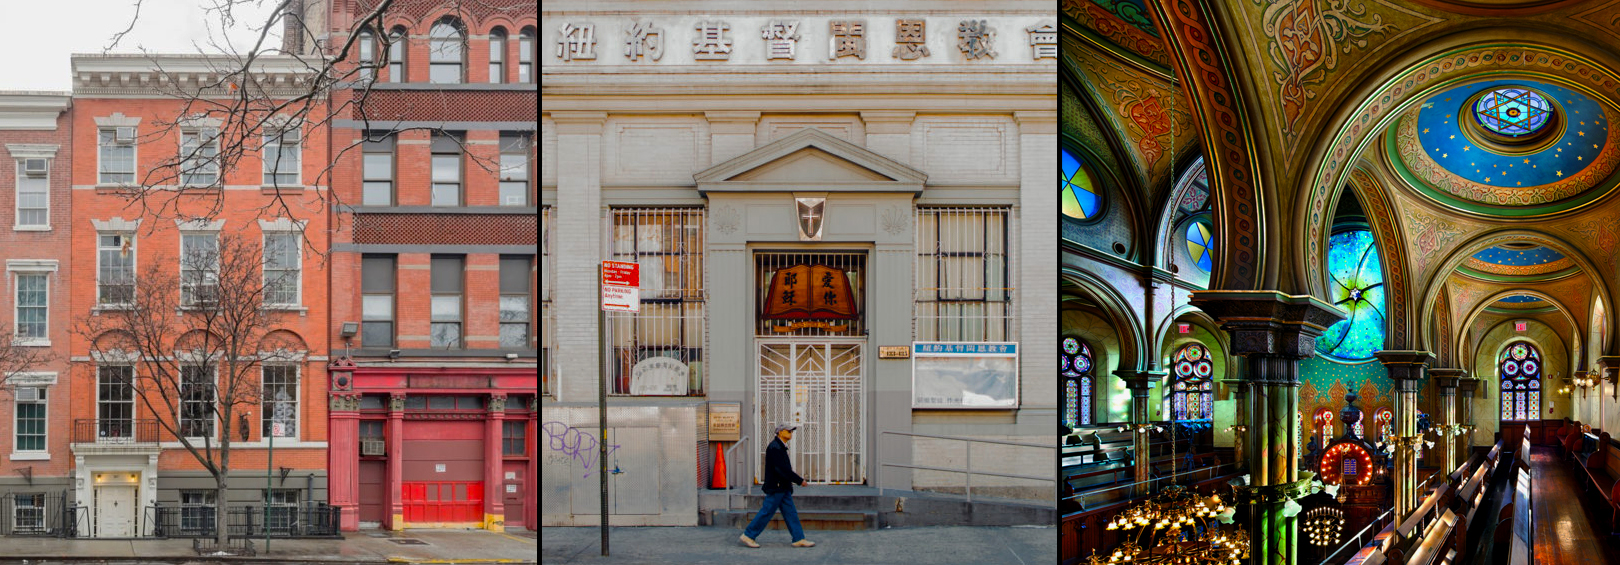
[1081, 197]
[497, 55]
[1519, 366]
[528, 51]
[396, 54]
[1201, 245]
[1191, 396]
[1356, 285]
[447, 44]
[1075, 362]
[366, 53]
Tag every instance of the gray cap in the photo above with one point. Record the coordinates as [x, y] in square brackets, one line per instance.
[780, 427]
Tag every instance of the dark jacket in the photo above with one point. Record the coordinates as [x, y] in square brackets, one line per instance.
[779, 475]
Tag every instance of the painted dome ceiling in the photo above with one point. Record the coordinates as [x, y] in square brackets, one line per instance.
[1507, 148]
[1518, 261]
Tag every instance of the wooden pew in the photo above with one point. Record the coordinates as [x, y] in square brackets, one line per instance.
[1514, 535]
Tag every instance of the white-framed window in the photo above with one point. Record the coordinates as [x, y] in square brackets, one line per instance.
[528, 51]
[283, 268]
[514, 309]
[366, 51]
[377, 169]
[514, 190]
[115, 269]
[199, 157]
[497, 55]
[283, 156]
[446, 164]
[115, 403]
[396, 54]
[279, 399]
[199, 269]
[377, 274]
[447, 48]
[197, 383]
[448, 274]
[30, 418]
[282, 509]
[33, 193]
[33, 306]
[964, 289]
[28, 514]
[197, 512]
[116, 155]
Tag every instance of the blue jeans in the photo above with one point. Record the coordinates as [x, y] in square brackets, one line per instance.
[776, 501]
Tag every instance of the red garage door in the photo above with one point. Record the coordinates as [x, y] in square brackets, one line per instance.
[444, 503]
[443, 468]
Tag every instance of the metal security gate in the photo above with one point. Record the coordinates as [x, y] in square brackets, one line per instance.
[817, 385]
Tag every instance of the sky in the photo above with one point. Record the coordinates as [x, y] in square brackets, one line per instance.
[39, 40]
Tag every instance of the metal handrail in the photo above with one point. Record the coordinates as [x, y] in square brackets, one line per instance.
[1424, 485]
[730, 474]
[968, 470]
[1210, 470]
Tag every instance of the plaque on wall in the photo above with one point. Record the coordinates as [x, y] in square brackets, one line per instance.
[972, 375]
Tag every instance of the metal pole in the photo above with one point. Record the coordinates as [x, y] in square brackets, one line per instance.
[269, 463]
[601, 413]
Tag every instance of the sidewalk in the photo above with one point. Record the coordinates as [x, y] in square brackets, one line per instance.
[899, 546]
[369, 547]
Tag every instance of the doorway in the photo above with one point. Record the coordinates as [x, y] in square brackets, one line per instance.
[115, 505]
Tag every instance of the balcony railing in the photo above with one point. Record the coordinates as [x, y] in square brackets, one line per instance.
[115, 431]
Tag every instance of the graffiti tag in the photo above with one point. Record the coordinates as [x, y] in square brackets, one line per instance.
[579, 446]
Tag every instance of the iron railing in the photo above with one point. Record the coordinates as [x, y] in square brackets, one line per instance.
[305, 521]
[115, 431]
[967, 469]
[39, 514]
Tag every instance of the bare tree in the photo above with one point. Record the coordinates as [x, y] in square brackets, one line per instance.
[198, 338]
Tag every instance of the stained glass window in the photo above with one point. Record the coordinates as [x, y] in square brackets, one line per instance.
[1357, 288]
[1191, 397]
[1075, 362]
[1519, 366]
[1513, 112]
[1081, 196]
[1201, 245]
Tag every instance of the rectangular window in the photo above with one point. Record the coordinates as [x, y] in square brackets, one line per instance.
[279, 402]
[197, 401]
[115, 269]
[497, 57]
[283, 156]
[446, 170]
[282, 510]
[199, 269]
[377, 301]
[514, 440]
[197, 512]
[377, 170]
[964, 292]
[526, 56]
[372, 442]
[447, 281]
[199, 157]
[283, 268]
[30, 418]
[515, 312]
[668, 244]
[116, 152]
[115, 402]
[33, 307]
[33, 193]
[514, 169]
[29, 514]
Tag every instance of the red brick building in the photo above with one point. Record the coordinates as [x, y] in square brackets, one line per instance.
[125, 129]
[433, 316]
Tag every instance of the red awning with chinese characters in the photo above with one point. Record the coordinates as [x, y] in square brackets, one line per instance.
[809, 292]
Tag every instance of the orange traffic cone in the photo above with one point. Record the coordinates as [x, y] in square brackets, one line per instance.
[718, 477]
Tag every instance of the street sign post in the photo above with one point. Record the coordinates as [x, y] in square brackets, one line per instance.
[621, 292]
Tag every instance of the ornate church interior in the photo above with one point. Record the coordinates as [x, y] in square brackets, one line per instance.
[1337, 281]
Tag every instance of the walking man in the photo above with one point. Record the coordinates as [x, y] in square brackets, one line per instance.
[778, 487]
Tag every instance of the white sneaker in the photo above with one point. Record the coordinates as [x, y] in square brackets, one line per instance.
[804, 543]
[747, 541]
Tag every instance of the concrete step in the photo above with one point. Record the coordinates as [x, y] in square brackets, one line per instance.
[893, 509]
[809, 519]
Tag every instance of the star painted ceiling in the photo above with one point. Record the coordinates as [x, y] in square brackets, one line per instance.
[1442, 118]
[1500, 255]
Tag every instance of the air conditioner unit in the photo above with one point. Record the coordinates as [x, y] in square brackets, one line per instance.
[28, 394]
[124, 134]
[373, 447]
[35, 167]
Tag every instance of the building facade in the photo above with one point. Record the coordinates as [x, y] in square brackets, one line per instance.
[841, 219]
[433, 265]
[125, 462]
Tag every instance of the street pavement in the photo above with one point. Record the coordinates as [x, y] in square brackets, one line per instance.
[1017, 545]
[446, 547]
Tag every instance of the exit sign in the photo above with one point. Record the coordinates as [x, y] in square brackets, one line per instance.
[1521, 326]
[1184, 328]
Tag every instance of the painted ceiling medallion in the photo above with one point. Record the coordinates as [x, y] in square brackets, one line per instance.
[1513, 112]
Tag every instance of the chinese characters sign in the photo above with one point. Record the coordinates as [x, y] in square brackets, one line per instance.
[643, 40]
[809, 292]
[952, 375]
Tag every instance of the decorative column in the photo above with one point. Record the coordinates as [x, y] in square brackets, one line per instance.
[343, 457]
[1274, 331]
[1406, 369]
[1447, 379]
[494, 463]
[1466, 386]
[1141, 424]
[395, 489]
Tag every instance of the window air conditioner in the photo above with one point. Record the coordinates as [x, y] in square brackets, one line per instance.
[373, 447]
[27, 394]
[124, 134]
[34, 167]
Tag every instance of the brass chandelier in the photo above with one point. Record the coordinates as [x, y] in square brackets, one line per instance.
[1177, 527]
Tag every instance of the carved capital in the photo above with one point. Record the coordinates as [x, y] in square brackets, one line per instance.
[1269, 323]
[1447, 378]
[1405, 364]
[1139, 381]
[345, 402]
[497, 403]
[396, 403]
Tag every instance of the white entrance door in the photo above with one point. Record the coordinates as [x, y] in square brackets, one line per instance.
[817, 385]
[115, 511]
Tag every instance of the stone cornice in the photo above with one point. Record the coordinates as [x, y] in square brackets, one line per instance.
[164, 76]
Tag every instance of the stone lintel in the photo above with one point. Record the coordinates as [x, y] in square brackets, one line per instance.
[1268, 322]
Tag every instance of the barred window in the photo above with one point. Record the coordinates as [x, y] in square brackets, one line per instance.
[197, 512]
[28, 516]
[668, 244]
[963, 290]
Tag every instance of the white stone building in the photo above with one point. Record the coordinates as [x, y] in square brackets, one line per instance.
[802, 189]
